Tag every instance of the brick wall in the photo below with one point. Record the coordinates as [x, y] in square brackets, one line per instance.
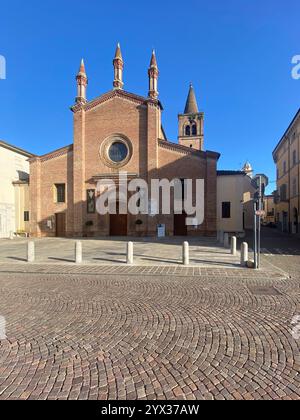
[140, 123]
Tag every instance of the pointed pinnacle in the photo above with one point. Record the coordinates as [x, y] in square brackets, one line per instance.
[118, 53]
[82, 67]
[153, 62]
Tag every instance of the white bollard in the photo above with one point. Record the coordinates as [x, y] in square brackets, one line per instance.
[78, 252]
[226, 240]
[233, 245]
[244, 254]
[11, 235]
[186, 253]
[129, 253]
[30, 252]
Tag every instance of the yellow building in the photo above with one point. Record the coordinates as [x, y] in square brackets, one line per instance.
[14, 190]
[234, 215]
[286, 157]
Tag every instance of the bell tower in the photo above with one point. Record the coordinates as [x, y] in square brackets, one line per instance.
[191, 124]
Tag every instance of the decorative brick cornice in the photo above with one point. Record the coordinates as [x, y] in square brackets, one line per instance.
[140, 100]
[186, 150]
[52, 155]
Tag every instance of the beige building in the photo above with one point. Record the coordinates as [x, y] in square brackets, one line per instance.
[233, 214]
[14, 190]
[286, 157]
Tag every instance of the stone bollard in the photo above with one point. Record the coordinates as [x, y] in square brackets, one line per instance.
[186, 253]
[30, 252]
[129, 253]
[11, 236]
[78, 252]
[244, 254]
[226, 240]
[233, 245]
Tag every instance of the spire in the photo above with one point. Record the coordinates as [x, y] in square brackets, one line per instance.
[191, 106]
[82, 68]
[153, 62]
[82, 82]
[118, 54]
[118, 68]
[247, 168]
[153, 77]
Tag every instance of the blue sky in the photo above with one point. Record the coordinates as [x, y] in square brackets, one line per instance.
[237, 54]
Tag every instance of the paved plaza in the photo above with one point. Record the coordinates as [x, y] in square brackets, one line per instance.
[110, 331]
[147, 251]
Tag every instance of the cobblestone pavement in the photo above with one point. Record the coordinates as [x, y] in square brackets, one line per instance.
[149, 337]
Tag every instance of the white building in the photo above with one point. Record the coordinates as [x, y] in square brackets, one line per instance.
[233, 214]
[14, 179]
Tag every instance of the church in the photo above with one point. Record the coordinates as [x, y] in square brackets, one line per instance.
[118, 132]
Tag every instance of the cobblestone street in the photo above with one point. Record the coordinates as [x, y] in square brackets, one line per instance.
[158, 336]
[97, 331]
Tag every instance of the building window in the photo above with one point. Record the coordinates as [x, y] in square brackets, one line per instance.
[60, 193]
[118, 152]
[294, 157]
[283, 192]
[284, 167]
[226, 210]
[26, 216]
[187, 130]
[91, 201]
[194, 130]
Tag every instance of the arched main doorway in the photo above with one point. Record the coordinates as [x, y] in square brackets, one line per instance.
[118, 223]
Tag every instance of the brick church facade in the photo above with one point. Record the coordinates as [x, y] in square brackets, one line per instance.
[120, 131]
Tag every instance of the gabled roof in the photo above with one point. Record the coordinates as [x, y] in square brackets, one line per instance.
[113, 94]
[15, 149]
[187, 150]
[54, 154]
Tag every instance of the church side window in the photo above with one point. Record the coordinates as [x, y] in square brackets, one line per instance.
[194, 130]
[60, 193]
